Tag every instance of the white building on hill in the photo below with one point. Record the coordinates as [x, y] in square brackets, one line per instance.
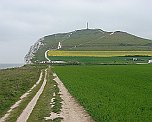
[59, 46]
[150, 61]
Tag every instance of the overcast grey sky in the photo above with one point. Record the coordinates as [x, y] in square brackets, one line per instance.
[23, 22]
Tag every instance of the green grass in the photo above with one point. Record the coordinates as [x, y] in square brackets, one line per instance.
[111, 92]
[43, 107]
[18, 110]
[97, 60]
[13, 83]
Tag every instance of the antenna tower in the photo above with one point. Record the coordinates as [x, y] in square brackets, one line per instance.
[87, 25]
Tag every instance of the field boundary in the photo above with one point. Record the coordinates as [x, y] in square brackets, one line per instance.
[71, 110]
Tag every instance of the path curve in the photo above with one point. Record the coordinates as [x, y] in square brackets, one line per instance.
[71, 111]
[28, 110]
[46, 53]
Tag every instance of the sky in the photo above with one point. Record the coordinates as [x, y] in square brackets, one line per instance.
[23, 22]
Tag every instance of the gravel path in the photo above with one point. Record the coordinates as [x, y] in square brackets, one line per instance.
[71, 111]
[28, 110]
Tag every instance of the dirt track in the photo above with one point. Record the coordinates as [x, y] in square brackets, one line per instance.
[21, 98]
[71, 111]
[28, 110]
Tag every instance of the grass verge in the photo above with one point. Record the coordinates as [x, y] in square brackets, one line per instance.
[43, 106]
[18, 110]
[14, 82]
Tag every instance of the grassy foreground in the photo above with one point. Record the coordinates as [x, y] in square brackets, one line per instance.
[111, 92]
[43, 106]
[14, 82]
[15, 113]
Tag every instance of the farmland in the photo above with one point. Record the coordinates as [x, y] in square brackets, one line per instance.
[99, 53]
[94, 57]
[104, 60]
[111, 92]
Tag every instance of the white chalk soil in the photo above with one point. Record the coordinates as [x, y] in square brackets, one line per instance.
[71, 110]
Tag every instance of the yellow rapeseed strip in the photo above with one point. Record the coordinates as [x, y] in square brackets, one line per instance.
[98, 53]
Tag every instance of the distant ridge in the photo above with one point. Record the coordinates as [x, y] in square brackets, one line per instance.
[87, 39]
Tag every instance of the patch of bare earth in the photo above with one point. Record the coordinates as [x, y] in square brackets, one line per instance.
[71, 111]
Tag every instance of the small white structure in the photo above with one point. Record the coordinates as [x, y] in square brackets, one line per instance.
[59, 46]
[134, 59]
[150, 61]
[58, 62]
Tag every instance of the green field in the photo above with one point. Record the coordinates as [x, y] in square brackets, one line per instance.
[97, 57]
[100, 60]
[111, 92]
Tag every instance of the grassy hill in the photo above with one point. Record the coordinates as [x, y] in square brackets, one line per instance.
[92, 39]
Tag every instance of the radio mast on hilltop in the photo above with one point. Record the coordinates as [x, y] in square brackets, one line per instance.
[87, 25]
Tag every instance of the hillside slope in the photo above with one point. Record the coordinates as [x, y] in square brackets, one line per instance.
[87, 39]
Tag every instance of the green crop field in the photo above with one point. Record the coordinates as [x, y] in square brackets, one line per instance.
[111, 92]
[98, 60]
[101, 56]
